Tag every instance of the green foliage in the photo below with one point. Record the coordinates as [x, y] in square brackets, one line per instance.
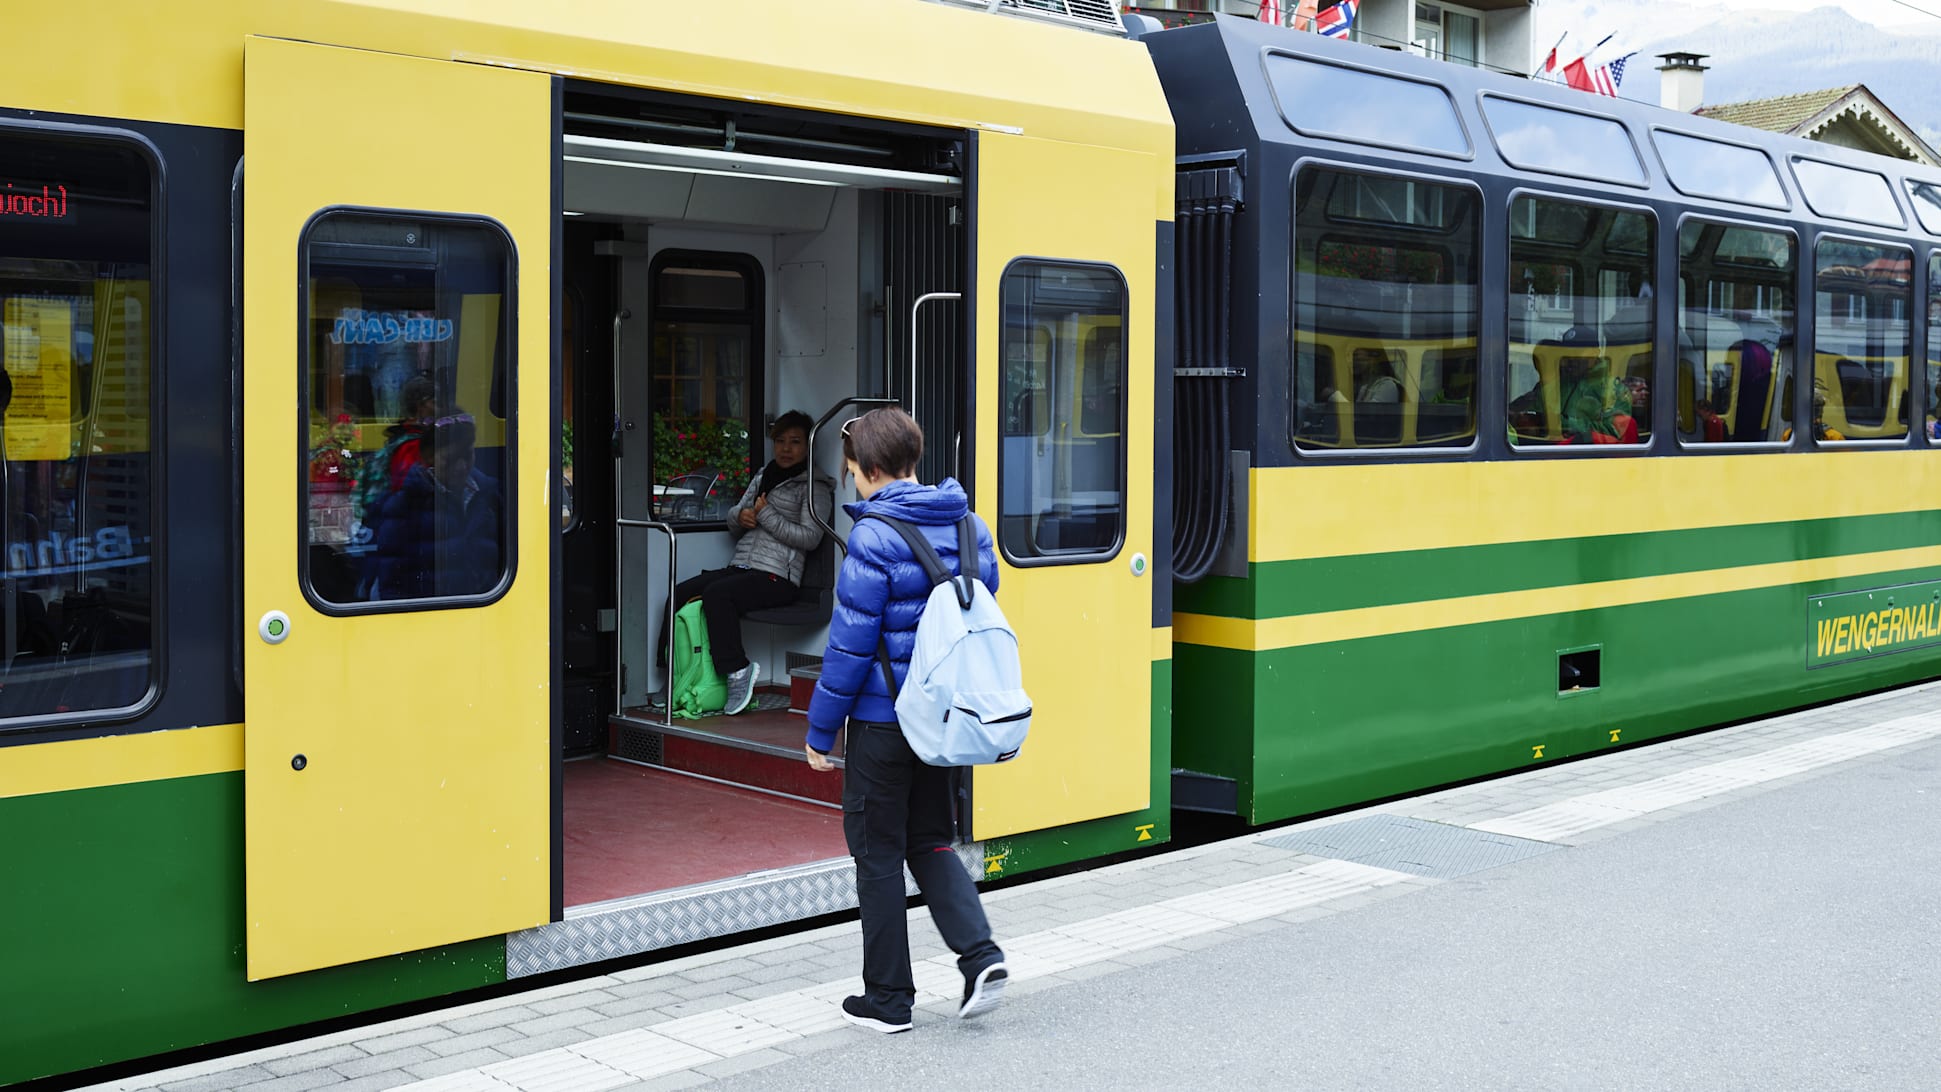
[682, 444]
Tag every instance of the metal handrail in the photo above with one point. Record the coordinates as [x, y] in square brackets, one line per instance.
[914, 308]
[829, 528]
[621, 523]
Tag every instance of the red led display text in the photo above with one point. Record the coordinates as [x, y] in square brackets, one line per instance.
[49, 204]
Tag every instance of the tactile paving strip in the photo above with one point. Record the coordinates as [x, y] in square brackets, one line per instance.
[1417, 846]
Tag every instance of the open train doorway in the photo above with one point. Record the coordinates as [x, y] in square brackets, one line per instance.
[724, 268]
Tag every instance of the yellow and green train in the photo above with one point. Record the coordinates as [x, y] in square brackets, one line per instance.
[1307, 388]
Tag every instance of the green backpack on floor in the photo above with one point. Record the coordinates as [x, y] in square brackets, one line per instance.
[696, 690]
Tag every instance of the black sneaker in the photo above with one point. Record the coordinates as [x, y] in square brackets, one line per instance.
[857, 1011]
[983, 989]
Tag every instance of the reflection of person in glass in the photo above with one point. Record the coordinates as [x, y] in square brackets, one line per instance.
[441, 533]
[385, 470]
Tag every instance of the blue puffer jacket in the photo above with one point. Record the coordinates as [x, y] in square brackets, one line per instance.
[429, 543]
[880, 592]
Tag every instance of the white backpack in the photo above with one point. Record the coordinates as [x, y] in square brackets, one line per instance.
[963, 702]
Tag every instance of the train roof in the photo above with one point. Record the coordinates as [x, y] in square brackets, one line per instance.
[907, 60]
[1235, 83]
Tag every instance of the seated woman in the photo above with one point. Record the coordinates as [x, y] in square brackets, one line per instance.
[773, 536]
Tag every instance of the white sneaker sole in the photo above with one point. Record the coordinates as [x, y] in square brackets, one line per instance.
[754, 680]
[986, 991]
[873, 1024]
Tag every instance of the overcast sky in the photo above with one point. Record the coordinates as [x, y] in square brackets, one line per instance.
[1881, 12]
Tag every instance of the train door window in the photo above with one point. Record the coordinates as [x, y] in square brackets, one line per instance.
[77, 610]
[1861, 303]
[1581, 335]
[1062, 464]
[1735, 332]
[707, 382]
[1385, 312]
[1933, 424]
[407, 355]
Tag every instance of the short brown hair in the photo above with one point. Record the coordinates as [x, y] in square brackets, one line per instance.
[885, 441]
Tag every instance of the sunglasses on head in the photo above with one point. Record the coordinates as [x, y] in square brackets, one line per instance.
[453, 419]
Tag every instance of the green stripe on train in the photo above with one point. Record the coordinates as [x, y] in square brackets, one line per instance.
[123, 913]
[1280, 589]
[1039, 849]
[1313, 728]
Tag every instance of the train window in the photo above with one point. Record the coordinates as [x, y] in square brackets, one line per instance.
[1926, 197]
[1861, 300]
[1385, 312]
[1546, 138]
[1329, 100]
[407, 355]
[1933, 423]
[77, 611]
[1027, 382]
[1848, 193]
[707, 325]
[1735, 332]
[1062, 468]
[1581, 329]
[1702, 167]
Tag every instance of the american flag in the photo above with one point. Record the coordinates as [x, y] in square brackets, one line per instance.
[1606, 79]
[1270, 12]
[1336, 21]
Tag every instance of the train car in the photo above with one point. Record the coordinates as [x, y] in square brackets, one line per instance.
[259, 764]
[1423, 314]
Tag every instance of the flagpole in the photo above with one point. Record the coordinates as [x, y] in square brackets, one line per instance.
[1550, 58]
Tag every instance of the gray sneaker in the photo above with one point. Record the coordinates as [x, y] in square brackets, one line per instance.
[741, 688]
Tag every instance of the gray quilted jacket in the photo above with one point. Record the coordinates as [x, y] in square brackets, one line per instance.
[783, 534]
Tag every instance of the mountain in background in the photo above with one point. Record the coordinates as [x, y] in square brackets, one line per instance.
[1755, 55]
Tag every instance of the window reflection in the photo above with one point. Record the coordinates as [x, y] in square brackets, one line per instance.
[1385, 312]
[1861, 299]
[1062, 485]
[1581, 322]
[406, 358]
[1735, 333]
[77, 609]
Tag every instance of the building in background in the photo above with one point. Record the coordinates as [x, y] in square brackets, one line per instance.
[1851, 116]
[1482, 33]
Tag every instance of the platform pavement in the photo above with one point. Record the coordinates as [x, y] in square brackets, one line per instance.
[1552, 929]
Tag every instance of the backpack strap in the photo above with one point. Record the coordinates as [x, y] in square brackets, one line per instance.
[933, 567]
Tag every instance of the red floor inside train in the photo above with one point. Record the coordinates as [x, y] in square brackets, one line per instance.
[633, 828]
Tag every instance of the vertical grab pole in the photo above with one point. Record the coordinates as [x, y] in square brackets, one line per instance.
[619, 538]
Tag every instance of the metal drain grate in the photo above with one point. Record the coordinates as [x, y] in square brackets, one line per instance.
[1436, 850]
[637, 744]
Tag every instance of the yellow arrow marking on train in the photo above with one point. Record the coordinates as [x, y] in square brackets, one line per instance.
[1614, 734]
[1145, 832]
[1537, 751]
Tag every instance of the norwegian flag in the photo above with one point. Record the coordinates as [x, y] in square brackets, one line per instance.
[1336, 21]
[1270, 12]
